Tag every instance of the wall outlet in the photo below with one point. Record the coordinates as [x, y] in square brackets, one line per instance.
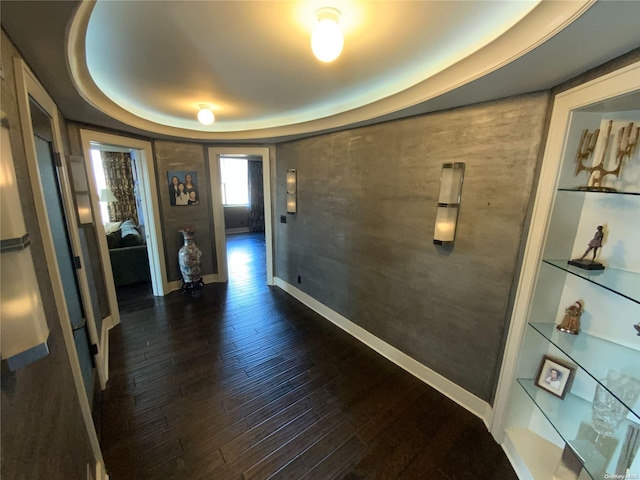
[283, 219]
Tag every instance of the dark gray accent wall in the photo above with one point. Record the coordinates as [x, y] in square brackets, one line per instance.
[187, 157]
[236, 217]
[43, 434]
[362, 241]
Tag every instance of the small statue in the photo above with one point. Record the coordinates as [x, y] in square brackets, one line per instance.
[594, 245]
[571, 321]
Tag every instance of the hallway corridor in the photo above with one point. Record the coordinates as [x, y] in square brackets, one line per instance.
[241, 381]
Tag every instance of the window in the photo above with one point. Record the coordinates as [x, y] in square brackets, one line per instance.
[235, 181]
[101, 183]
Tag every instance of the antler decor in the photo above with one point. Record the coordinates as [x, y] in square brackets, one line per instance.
[626, 144]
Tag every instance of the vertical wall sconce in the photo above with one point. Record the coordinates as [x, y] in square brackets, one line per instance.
[292, 191]
[23, 322]
[451, 179]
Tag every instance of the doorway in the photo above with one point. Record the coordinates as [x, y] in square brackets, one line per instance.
[151, 254]
[262, 155]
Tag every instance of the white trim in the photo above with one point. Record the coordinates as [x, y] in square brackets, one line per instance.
[101, 473]
[233, 231]
[27, 84]
[543, 21]
[620, 82]
[150, 207]
[218, 208]
[518, 464]
[107, 324]
[462, 397]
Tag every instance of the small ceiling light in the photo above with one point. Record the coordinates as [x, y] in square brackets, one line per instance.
[205, 115]
[327, 40]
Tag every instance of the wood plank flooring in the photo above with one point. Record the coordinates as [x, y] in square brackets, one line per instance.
[241, 381]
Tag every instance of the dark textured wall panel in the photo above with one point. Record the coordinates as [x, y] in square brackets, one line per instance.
[236, 217]
[362, 238]
[185, 157]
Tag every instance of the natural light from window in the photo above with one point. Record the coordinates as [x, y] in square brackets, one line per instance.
[235, 181]
[101, 183]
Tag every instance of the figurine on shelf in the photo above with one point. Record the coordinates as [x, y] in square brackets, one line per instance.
[594, 245]
[571, 321]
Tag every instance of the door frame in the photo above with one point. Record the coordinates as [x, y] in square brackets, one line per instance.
[150, 208]
[214, 154]
[27, 86]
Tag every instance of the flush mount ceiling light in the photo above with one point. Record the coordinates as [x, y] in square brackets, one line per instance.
[327, 40]
[205, 115]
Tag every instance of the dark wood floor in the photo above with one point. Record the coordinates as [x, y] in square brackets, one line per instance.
[243, 382]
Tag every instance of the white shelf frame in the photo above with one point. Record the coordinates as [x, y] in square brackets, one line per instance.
[620, 82]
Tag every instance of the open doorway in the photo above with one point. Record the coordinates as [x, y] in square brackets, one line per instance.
[241, 181]
[117, 178]
[242, 213]
[130, 248]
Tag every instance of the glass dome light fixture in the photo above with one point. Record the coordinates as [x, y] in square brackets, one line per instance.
[205, 115]
[327, 39]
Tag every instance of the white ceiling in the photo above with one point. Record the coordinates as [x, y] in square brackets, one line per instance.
[252, 60]
[146, 66]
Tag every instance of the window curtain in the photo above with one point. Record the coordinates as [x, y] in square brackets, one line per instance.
[256, 197]
[119, 178]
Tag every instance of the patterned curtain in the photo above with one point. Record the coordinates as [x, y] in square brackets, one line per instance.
[119, 178]
[256, 197]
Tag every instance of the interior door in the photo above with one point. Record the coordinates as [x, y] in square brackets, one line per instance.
[66, 263]
[69, 258]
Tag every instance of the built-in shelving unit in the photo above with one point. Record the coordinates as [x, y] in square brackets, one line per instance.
[533, 425]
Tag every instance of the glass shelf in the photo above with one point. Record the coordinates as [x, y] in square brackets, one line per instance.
[567, 416]
[621, 282]
[589, 352]
[573, 189]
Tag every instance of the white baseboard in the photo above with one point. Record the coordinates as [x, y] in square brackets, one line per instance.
[97, 472]
[465, 399]
[231, 231]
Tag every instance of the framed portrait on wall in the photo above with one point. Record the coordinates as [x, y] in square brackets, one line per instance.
[183, 188]
[554, 376]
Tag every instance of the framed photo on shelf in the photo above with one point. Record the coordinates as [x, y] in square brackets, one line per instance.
[554, 376]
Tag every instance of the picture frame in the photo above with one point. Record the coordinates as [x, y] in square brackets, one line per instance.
[183, 188]
[554, 376]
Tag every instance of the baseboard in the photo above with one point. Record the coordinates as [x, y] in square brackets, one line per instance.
[97, 472]
[462, 397]
[231, 231]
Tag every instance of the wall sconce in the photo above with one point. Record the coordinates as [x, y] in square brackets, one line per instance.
[292, 191]
[23, 322]
[451, 179]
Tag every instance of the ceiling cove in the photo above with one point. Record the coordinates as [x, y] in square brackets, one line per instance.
[153, 64]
